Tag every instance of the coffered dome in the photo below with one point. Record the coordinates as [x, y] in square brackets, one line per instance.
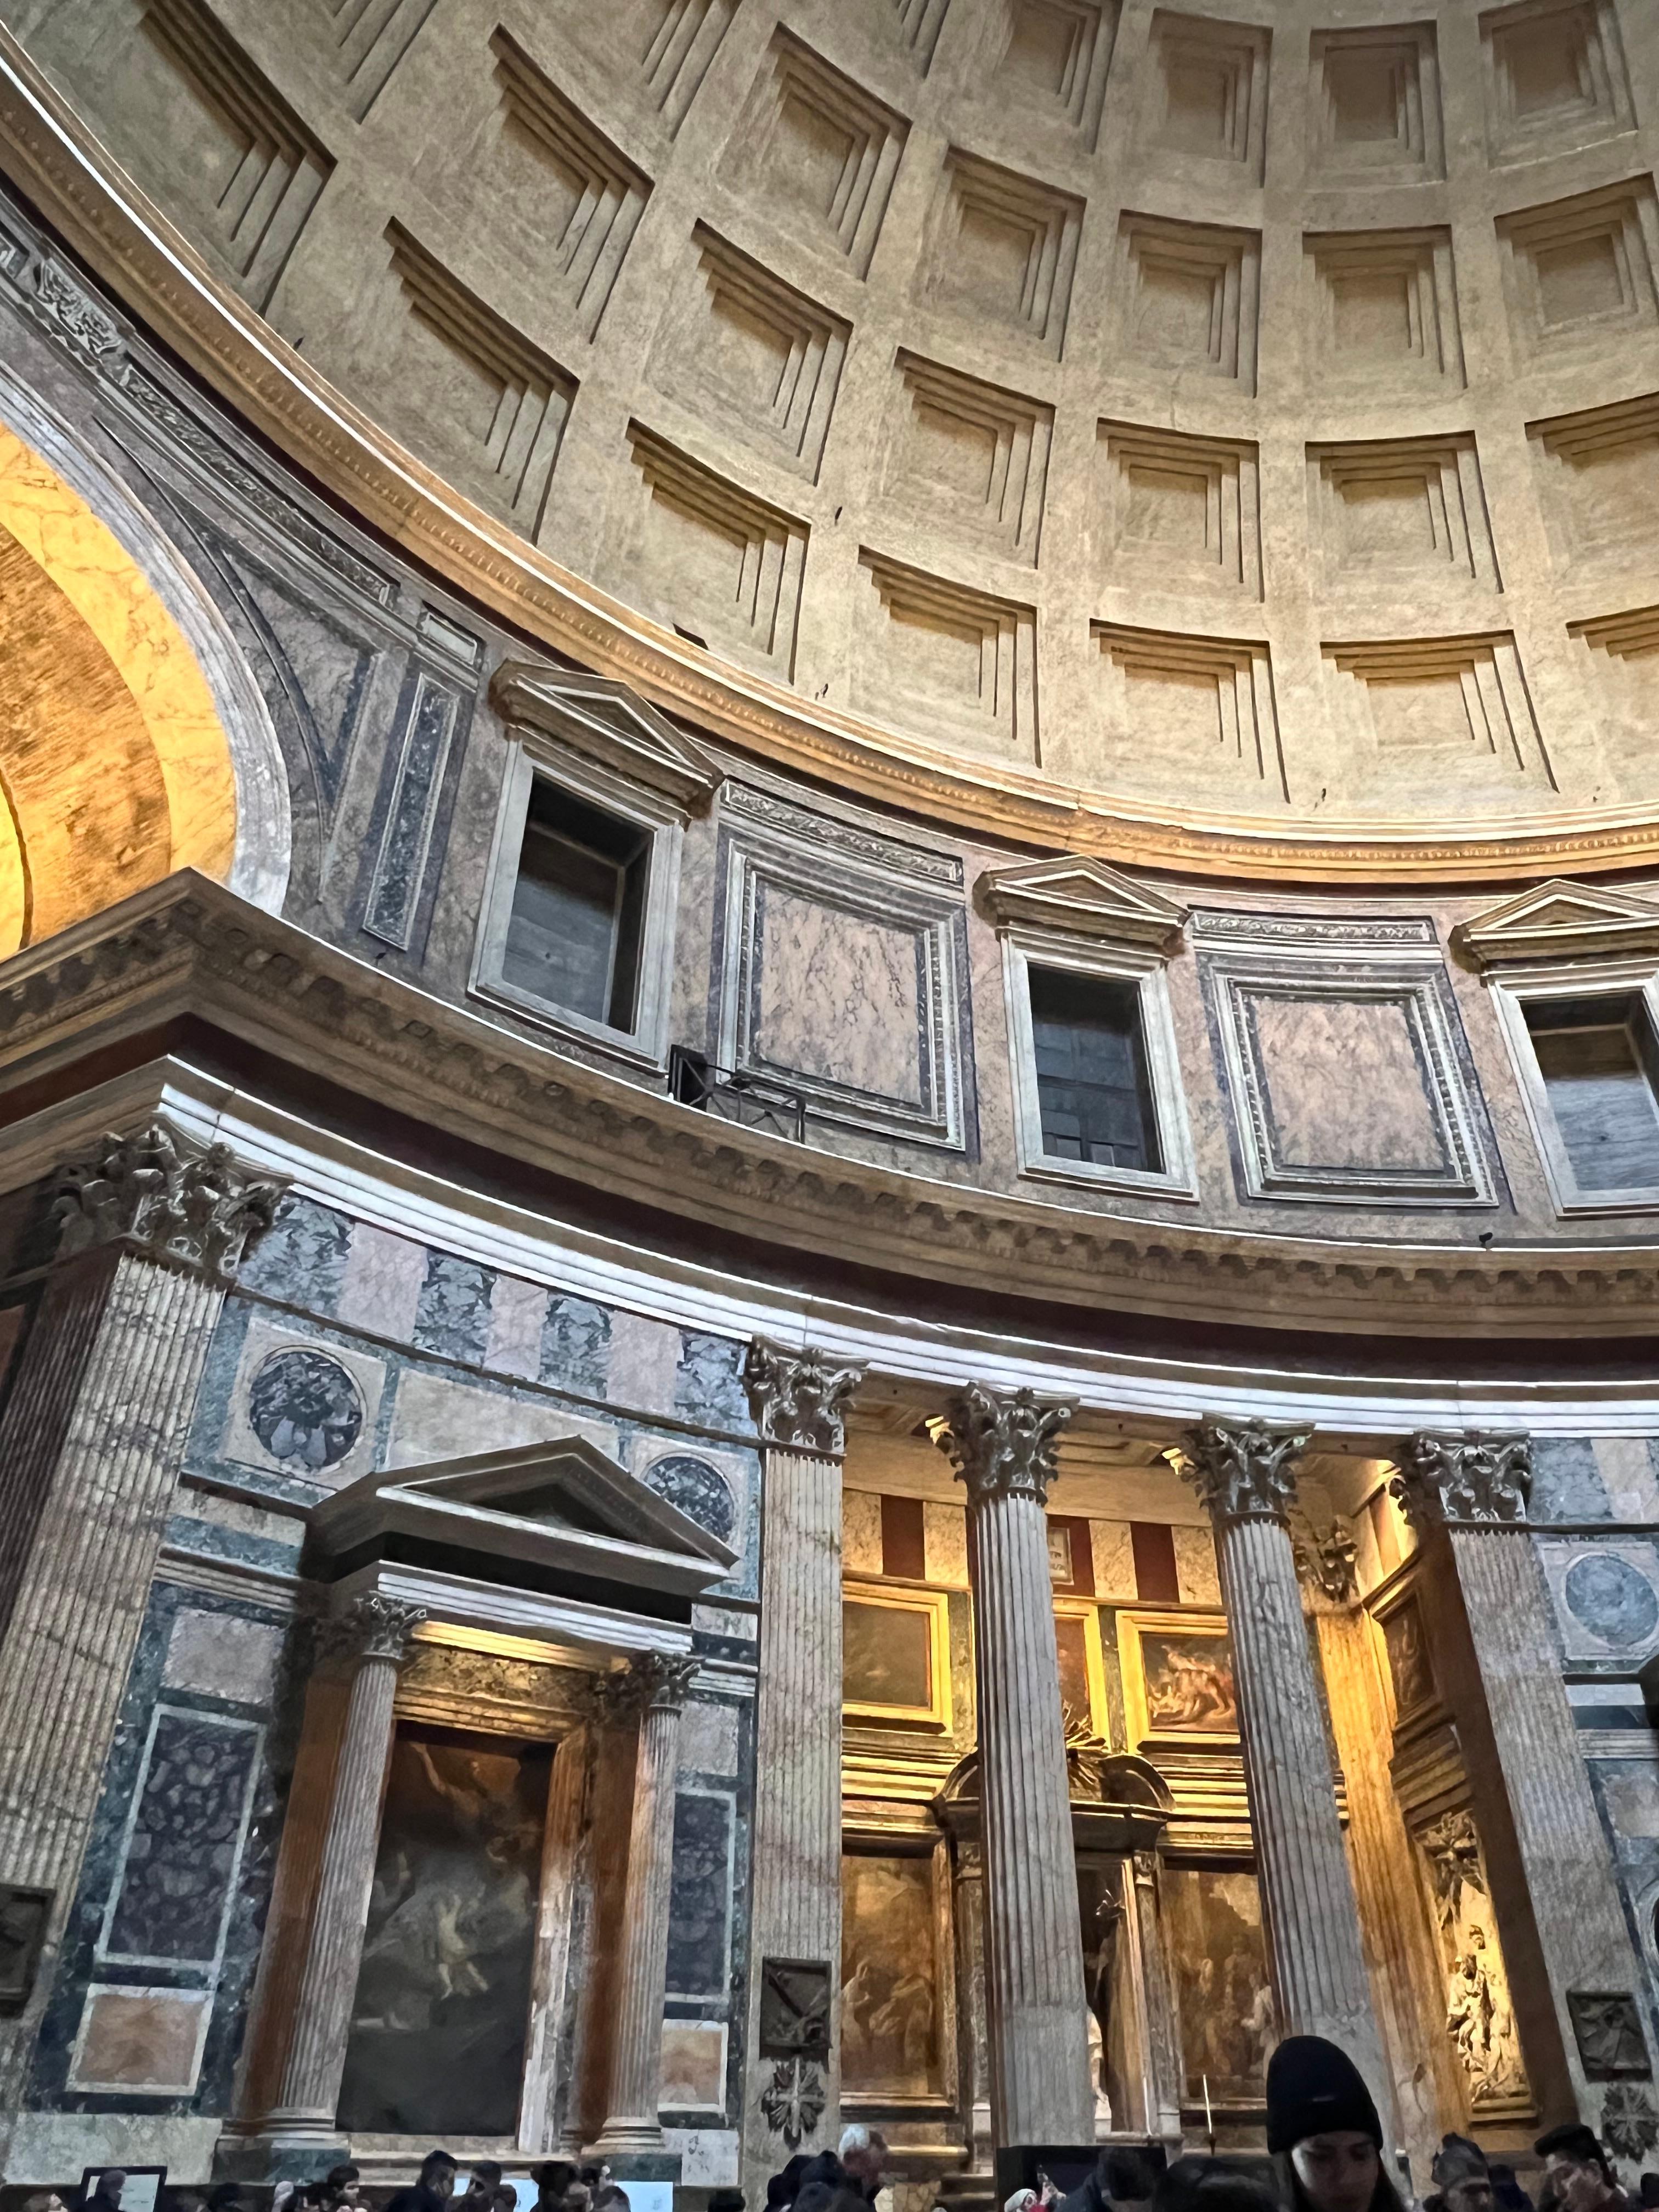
[1228, 438]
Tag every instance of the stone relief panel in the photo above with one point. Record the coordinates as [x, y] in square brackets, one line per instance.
[843, 976]
[1607, 1598]
[1347, 1081]
[1479, 2016]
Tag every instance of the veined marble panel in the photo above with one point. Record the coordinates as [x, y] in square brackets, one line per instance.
[1196, 1571]
[945, 1543]
[860, 1532]
[219, 1655]
[1114, 1560]
[434, 1418]
[303, 1406]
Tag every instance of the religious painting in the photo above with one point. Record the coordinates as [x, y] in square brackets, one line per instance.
[1177, 1680]
[1060, 1571]
[891, 2047]
[441, 2013]
[1224, 1991]
[1409, 1667]
[895, 1663]
[1082, 1677]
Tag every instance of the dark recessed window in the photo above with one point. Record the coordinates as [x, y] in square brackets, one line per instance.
[1093, 1089]
[579, 908]
[1601, 1074]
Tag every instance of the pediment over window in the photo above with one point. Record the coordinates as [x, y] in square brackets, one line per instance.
[603, 719]
[567, 1506]
[1085, 898]
[1562, 920]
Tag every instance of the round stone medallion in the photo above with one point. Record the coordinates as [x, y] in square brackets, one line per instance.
[1612, 1598]
[700, 1490]
[305, 1409]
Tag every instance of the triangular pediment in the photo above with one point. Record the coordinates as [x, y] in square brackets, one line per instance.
[1085, 897]
[566, 1505]
[603, 719]
[1559, 919]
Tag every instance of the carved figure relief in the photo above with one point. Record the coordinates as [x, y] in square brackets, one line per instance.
[794, 2008]
[1606, 2027]
[1479, 2016]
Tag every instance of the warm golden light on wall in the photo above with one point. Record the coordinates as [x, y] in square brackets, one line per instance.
[113, 763]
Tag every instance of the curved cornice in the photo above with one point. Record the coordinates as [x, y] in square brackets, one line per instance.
[52, 156]
[188, 948]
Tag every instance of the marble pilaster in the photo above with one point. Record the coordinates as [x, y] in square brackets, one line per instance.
[567, 1809]
[973, 2041]
[657, 1686]
[791, 2095]
[1002, 1445]
[1472, 1493]
[1246, 1474]
[148, 1235]
[371, 1636]
[1152, 2016]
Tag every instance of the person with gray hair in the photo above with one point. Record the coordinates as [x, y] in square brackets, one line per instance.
[863, 2154]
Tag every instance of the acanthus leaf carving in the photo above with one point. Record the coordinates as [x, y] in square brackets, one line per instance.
[1243, 1470]
[1002, 1443]
[201, 1209]
[798, 1397]
[1464, 1478]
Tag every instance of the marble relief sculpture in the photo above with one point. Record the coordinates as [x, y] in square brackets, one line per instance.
[1479, 2016]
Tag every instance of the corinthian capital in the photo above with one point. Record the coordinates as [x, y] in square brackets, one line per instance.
[1467, 1477]
[1243, 1470]
[798, 1397]
[1002, 1443]
[372, 1626]
[202, 1208]
[652, 1681]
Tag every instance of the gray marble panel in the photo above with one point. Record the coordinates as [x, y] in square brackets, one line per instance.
[1566, 1481]
[302, 1257]
[576, 1346]
[418, 777]
[708, 1386]
[700, 1909]
[453, 1317]
[184, 1842]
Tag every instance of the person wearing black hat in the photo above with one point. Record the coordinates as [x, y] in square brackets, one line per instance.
[1578, 2173]
[1461, 2178]
[1324, 2130]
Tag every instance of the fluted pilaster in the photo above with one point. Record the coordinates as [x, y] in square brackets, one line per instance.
[371, 1638]
[93, 1437]
[798, 1400]
[1245, 1475]
[1476, 1491]
[566, 1806]
[658, 1688]
[1003, 1446]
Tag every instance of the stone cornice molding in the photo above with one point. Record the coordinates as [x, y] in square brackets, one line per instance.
[1243, 1470]
[58, 163]
[1448, 1480]
[1002, 1443]
[149, 1192]
[1085, 898]
[798, 1398]
[188, 948]
[1557, 922]
[373, 1626]
[597, 716]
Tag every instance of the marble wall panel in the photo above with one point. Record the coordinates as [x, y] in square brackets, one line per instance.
[860, 1532]
[1114, 1560]
[302, 1406]
[577, 1344]
[1196, 1573]
[710, 1489]
[708, 1738]
[1607, 1597]
[381, 1288]
[694, 2065]
[452, 1315]
[644, 1363]
[518, 1323]
[708, 1380]
[708, 2156]
[185, 1843]
[222, 1656]
[302, 1257]
[1566, 1480]
[700, 1909]
[141, 2040]
[1626, 1465]
[945, 1543]
[435, 1418]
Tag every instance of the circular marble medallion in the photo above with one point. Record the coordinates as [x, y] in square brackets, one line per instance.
[305, 1409]
[700, 1490]
[1612, 1598]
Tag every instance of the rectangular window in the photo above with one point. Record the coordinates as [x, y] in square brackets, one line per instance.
[578, 914]
[1601, 1073]
[1093, 1089]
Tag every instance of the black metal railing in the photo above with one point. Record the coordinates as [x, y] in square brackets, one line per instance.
[736, 1094]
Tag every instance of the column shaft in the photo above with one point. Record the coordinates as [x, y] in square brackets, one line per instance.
[566, 1806]
[308, 2098]
[1040, 2086]
[1160, 2056]
[632, 2124]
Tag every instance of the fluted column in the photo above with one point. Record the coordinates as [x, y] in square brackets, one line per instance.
[1003, 1446]
[1155, 2022]
[793, 2078]
[147, 1235]
[567, 1807]
[1245, 1475]
[1473, 1492]
[371, 1636]
[658, 1686]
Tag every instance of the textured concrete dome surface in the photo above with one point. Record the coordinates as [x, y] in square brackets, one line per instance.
[1234, 433]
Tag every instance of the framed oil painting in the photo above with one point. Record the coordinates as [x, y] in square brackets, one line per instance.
[891, 2048]
[1082, 1673]
[1178, 1681]
[442, 2009]
[896, 1656]
[1224, 1991]
[1411, 1670]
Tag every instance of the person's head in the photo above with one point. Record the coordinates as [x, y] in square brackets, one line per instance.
[1021, 2200]
[486, 2177]
[1461, 2175]
[1649, 2191]
[438, 2173]
[1578, 2171]
[552, 2179]
[110, 2182]
[227, 2197]
[863, 2152]
[1323, 2123]
[1212, 2184]
[781, 2189]
[504, 2198]
[1125, 2178]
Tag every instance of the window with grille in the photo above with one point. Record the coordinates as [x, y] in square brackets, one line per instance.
[1601, 1073]
[1094, 1091]
[576, 923]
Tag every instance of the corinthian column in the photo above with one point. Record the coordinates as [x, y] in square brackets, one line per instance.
[1561, 1921]
[655, 1687]
[792, 2087]
[147, 1236]
[1003, 1448]
[370, 1638]
[1245, 1475]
